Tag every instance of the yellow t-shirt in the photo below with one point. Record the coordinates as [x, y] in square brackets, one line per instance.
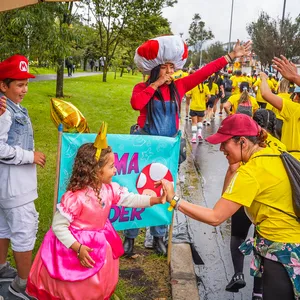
[234, 100]
[236, 82]
[260, 182]
[199, 95]
[259, 97]
[274, 143]
[179, 74]
[290, 136]
[275, 110]
[214, 89]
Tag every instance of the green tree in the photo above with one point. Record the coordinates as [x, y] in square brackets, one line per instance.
[113, 17]
[272, 37]
[214, 51]
[41, 32]
[198, 34]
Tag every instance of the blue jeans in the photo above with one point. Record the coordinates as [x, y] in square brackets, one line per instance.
[158, 231]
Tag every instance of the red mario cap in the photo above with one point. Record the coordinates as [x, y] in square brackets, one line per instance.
[15, 67]
[235, 125]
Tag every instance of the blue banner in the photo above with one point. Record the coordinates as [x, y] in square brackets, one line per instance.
[140, 160]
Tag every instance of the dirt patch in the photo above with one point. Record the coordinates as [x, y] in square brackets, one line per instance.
[144, 276]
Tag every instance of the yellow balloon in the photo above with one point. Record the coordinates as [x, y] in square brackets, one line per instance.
[63, 112]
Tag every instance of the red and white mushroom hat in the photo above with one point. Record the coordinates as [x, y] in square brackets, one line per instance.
[161, 50]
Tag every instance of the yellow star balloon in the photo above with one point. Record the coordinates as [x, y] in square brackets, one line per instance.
[100, 141]
[63, 112]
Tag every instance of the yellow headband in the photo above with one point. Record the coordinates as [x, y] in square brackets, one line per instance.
[100, 141]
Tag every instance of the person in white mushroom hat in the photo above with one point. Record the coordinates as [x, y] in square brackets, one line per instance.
[159, 98]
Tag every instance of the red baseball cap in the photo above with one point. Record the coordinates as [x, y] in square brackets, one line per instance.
[15, 67]
[234, 125]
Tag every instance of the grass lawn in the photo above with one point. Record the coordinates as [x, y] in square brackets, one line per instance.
[98, 101]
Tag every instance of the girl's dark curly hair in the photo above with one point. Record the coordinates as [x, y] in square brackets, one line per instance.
[266, 119]
[174, 95]
[86, 168]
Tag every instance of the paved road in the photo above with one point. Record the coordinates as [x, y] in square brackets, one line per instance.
[213, 243]
[53, 76]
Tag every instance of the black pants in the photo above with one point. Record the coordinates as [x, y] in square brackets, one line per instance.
[276, 282]
[240, 225]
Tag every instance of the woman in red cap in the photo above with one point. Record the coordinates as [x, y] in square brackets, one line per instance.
[18, 178]
[159, 98]
[262, 186]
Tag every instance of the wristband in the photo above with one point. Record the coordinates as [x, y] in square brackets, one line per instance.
[173, 203]
[229, 57]
[78, 251]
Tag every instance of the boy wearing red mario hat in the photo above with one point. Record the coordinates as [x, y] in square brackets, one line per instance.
[18, 178]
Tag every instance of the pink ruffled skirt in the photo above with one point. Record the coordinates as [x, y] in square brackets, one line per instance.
[57, 274]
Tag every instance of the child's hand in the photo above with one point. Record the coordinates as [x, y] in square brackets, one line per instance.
[85, 258]
[39, 159]
[163, 197]
[167, 187]
[2, 105]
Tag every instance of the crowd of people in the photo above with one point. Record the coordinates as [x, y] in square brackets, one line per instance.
[79, 257]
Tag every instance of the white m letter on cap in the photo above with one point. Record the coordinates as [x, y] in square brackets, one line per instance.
[23, 66]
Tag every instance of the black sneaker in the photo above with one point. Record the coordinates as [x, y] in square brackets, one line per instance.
[237, 282]
[19, 292]
[7, 273]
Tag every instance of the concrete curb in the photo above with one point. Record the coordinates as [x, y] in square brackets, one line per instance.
[183, 278]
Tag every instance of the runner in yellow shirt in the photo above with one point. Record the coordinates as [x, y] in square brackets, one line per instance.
[213, 91]
[263, 187]
[238, 79]
[260, 100]
[290, 112]
[283, 93]
[242, 103]
[199, 95]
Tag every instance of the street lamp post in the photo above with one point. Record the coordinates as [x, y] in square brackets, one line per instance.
[283, 13]
[230, 28]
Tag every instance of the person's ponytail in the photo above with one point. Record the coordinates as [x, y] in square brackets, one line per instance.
[262, 137]
[245, 97]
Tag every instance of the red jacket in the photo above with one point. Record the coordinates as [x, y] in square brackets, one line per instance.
[142, 94]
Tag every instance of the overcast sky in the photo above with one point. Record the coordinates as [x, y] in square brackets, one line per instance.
[216, 15]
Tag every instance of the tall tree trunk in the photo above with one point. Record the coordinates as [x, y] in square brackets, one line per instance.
[60, 78]
[104, 73]
[122, 72]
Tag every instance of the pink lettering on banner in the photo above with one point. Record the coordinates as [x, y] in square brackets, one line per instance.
[124, 214]
[122, 163]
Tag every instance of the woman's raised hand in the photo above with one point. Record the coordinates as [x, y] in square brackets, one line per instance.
[263, 75]
[241, 50]
[287, 69]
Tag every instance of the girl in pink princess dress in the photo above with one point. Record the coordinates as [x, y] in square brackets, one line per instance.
[79, 257]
